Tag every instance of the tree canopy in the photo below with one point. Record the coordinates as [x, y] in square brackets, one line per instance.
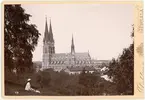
[20, 37]
[122, 70]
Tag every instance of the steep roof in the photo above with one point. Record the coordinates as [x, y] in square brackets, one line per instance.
[69, 55]
[59, 55]
[84, 55]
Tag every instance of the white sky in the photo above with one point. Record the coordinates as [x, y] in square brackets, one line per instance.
[103, 29]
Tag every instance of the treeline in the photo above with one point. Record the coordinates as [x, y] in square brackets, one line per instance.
[80, 84]
[50, 82]
[122, 70]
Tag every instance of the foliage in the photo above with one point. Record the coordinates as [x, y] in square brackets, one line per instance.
[20, 37]
[91, 83]
[50, 82]
[122, 70]
[43, 78]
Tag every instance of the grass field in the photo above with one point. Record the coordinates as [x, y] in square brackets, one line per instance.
[60, 84]
[13, 85]
[12, 88]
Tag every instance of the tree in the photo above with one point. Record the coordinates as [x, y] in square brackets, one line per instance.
[122, 70]
[90, 83]
[45, 78]
[20, 37]
[127, 69]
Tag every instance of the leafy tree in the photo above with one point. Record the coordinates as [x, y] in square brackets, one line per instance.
[20, 37]
[44, 78]
[122, 70]
[90, 83]
[82, 77]
[127, 69]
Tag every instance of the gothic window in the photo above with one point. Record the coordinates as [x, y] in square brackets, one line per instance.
[53, 49]
[45, 50]
[50, 50]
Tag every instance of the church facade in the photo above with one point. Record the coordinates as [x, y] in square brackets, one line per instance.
[61, 61]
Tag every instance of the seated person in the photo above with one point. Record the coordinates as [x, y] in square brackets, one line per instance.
[28, 87]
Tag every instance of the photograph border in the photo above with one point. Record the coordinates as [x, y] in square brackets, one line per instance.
[138, 50]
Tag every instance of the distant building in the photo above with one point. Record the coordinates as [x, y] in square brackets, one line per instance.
[60, 61]
[78, 70]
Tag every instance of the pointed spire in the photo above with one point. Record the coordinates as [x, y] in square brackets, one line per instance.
[46, 17]
[48, 37]
[72, 40]
[50, 33]
[88, 53]
[50, 28]
[46, 26]
[72, 46]
[46, 30]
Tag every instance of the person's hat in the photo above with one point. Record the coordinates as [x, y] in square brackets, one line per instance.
[28, 79]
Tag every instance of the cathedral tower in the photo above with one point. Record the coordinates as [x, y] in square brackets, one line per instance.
[48, 46]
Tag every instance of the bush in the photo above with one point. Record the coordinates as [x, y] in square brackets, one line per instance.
[43, 78]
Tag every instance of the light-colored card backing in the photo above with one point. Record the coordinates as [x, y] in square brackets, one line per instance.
[138, 52]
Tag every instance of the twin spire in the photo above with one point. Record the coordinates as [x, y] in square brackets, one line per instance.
[48, 36]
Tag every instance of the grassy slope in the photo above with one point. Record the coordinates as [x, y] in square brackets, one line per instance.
[12, 88]
[12, 84]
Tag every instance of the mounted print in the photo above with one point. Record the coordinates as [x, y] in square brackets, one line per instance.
[72, 49]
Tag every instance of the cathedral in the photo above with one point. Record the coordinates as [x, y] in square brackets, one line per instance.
[61, 61]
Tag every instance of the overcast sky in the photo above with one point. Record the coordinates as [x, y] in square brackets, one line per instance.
[103, 29]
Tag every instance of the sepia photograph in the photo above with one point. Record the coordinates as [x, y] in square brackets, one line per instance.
[53, 49]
